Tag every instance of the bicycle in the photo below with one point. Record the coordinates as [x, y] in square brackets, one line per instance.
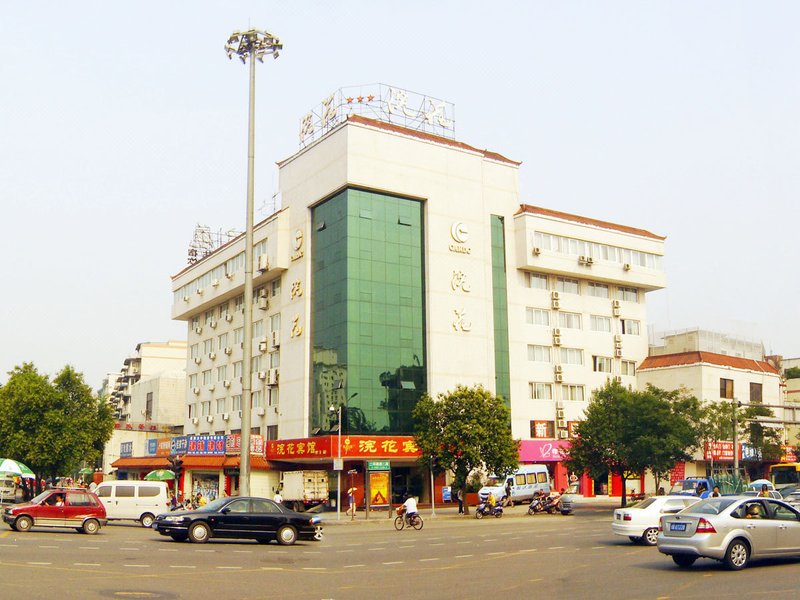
[414, 521]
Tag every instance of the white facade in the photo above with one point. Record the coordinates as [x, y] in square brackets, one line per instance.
[599, 272]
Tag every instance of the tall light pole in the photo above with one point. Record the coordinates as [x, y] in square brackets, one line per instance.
[255, 45]
[338, 465]
[735, 406]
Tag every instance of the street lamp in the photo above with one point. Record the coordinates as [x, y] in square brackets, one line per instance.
[337, 465]
[254, 44]
[735, 404]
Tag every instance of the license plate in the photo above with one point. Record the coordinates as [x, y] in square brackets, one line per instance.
[677, 526]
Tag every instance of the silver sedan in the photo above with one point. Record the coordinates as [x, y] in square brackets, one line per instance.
[731, 529]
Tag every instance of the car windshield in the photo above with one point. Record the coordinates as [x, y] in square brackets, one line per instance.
[682, 487]
[213, 506]
[495, 481]
[710, 506]
[40, 498]
[646, 503]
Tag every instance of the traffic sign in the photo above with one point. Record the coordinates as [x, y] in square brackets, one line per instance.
[378, 465]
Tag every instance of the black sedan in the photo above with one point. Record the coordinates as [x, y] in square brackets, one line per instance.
[240, 517]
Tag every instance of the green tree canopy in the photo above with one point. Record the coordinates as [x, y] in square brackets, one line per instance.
[52, 426]
[466, 429]
[792, 373]
[626, 432]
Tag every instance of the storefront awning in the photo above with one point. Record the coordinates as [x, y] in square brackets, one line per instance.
[137, 462]
[203, 462]
[256, 462]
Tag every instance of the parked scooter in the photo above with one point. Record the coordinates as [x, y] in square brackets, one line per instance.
[537, 504]
[484, 509]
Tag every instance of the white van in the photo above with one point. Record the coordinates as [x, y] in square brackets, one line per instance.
[524, 483]
[135, 500]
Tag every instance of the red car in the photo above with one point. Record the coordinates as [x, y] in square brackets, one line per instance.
[77, 508]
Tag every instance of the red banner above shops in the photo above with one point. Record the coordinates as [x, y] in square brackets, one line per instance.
[536, 451]
[720, 451]
[789, 454]
[233, 444]
[353, 446]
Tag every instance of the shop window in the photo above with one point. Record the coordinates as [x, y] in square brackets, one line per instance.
[726, 388]
[755, 393]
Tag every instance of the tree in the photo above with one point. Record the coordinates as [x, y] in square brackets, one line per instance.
[792, 373]
[465, 430]
[52, 426]
[626, 432]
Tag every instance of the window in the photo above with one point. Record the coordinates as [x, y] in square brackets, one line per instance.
[726, 388]
[194, 351]
[222, 372]
[258, 329]
[598, 290]
[536, 281]
[192, 411]
[79, 499]
[601, 364]
[273, 396]
[194, 322]
[238, 335]
[568, 286]
[125, 491]
[539, 353]
[572, 356]
[569, 320]
[541, 391]
[598, 323]
[239, 303]
[543, 429]
[193, 380]
[236, 402]
[222, 342]
[628, 368]
[628, 294]
[630, 327]
[755, 393]
[209, 316]
[255, 364]
[208, 346]
[220, 405]
[572, 392]
[148, 406]
[276, 287]
[275, 322]
[205, 408]
[271, 432]
[207, 377]
[237, 369]
[149, 491]
[274, 360]
[537, 316]
[223, 310]
[258, 397]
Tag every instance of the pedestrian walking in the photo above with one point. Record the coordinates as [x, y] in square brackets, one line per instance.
[460, 497]
[277, 498]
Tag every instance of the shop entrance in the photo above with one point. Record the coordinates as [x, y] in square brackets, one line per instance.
[601, 485]
[406, 480]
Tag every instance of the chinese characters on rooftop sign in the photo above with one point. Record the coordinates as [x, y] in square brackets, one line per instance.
[353, 446]
[383, 103]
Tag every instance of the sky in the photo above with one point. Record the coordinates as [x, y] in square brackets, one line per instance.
[123, 125]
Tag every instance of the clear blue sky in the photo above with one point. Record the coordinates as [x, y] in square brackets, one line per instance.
[123, 124]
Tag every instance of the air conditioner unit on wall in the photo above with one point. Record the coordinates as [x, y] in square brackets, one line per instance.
[229, 317]
[618, 352]
[559, 369]
[260, 411]
[273, 377]
[559, 413]
[210, 418]
[212, 324]
[228, 350]
[263, 263]
[263, 303]
[536, 251]
[215, 283]
[196, 390]
[561, 424]
[262, 345]
[627, 266]
[563, 434]
[559, 378]
[229, 274]
[262, 374]
[556, 340]
[212, 355]
[554, 295]
[225, 416]
[195, 420]
[556, 304]
[615, 312]
[226, 383]
[198, 330]
[276, 339]
[197, 360]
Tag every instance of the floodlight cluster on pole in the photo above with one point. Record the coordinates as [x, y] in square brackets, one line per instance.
[253, 44]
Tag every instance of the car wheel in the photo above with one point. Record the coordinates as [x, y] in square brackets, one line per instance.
[737, 555]
[318, 533]
[683, 560]
[650, 536]
[23, 523]
[287, 535]
[91, 526]
[179, 537]
[147, 520]
[199, 532]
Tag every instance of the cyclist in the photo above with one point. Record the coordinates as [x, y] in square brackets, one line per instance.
[410, 507]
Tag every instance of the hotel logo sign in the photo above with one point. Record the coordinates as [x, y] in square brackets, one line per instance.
[460, 235]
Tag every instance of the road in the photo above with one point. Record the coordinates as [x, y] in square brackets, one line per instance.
[517, 556]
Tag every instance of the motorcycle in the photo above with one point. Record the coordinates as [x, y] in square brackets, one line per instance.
[536, 505]
[548, 504]
[484, 509]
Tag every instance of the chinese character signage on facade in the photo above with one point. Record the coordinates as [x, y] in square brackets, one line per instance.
[180, 445]
[678, 473]
[152, 447]
[353, 446]
[318, 447]
[383, 103]
[163, 446]
[233, 444]
[126, 449]
[533, 451]
[206, 444]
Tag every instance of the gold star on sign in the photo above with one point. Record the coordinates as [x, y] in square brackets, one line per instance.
[361, 98]
[350, 100]
[370, 98]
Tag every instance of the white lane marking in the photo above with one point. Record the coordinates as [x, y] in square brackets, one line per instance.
[437, 544]
[205, 550]
[494, 553]
[86, 564]
[411, 546]
[88, 547]
[427, 559]
[233, 568]
[466, 542]
[272, 568]
[242, 551]
[48, 546]
[556, 548]
[352, 566]
[311, 552]
[529, 550]
[345, 551]
[134, 549]
[182, 567]
[375, 549]
[314, 569]
[38, 563]
[464, 556]
[598, 547]
[8, 545]
[492, 540]
[394, 562]
[167, 549]
[137, 566]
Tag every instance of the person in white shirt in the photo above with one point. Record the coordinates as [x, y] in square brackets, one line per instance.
[410, 506]
[277, 498]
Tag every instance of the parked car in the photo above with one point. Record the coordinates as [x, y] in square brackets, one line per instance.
[240, 517]
[58, 507]
[133, 500]
[731, 529]
[567, 504]
[691, 485]
[640, 522]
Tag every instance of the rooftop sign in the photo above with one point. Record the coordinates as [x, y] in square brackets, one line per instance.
[381, 102]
